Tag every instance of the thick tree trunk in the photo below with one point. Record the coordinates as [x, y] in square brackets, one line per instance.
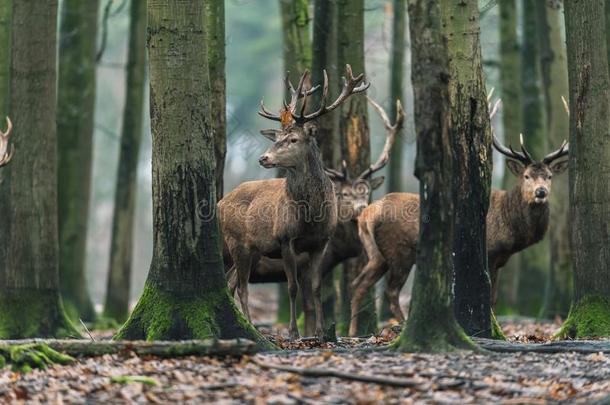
[75, 113]
[355, 140]
[121, 248]
[215, 26]
[30, 305]
[6, 10]
[554, 72]
[535, 259]
[431, 325]
[471, 165]
[589, 168]
[185, 295]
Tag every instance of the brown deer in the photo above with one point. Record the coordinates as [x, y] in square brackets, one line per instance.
[5, 153]
[284, 217]
[353, 195]
[517, 218]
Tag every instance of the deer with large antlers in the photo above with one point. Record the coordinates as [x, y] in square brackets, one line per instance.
[6, 153]
[516, 219]
[353, 195]
[284, 217]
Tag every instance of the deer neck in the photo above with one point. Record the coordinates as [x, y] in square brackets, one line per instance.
[308, 182]
[529, 222]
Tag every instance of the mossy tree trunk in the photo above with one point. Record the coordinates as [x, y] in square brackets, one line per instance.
[589, 167]
[215, 25]
[471, 165]
[185, 295]
[30, 304]
[431, 326]
[6, 10]
[510, 78]
[554, 73]
[75, 119]
[121, 249]
[355, 142]
[535, 259]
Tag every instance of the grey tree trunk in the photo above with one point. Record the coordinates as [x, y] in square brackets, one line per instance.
[186, 294]
[589, 80]
[30, 304]
[75, 113]
[6, 10]
[121, 249]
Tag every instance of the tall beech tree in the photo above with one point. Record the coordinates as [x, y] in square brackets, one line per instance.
[510, 77]
[30, 303]
[121, 249]
[589, 81]
[355, 142]
[534, 260]
[75, 113]
[471, 138]
[6, 10]
[554, 73]
[185, 295]
[431, 326]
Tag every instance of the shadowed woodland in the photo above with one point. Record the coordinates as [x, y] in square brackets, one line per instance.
[305, 201]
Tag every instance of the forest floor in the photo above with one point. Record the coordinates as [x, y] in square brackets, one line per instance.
[461, 377]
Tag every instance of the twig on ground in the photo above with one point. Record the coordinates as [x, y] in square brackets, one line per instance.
[86, 329]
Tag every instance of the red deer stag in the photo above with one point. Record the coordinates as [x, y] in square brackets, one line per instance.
[284, 217]
[353, 195]
[5, 153]
[517, 218]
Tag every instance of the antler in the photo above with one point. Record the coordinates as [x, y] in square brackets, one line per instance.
[391, 130]
[5, 153]
[295, 95]
[523, 156]
[339, 175]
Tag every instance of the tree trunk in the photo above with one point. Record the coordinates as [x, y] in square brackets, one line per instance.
[535, 259]
[185, 295]
[215, 20]
[354, 139]
[6, 10]
[471, 165]
[431, 325]
[121, 248]
[30, 305]
[510, 77]
[75, 113]
[589, 168]
[554, 72]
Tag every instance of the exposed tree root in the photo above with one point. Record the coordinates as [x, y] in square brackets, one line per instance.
[27, 356]
[578, 346]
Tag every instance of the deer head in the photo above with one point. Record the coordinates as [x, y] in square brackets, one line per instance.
[6, 153]
[295, 139]
[354, 194]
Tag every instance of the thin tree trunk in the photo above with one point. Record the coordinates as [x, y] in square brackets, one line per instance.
[30, 304]
[510, 78]
[431, 325]
[121, 249]
[471, 165]
[355, 141]
[75, 113]
[215, 20]
[6, 10]
[554, 71]
[185, 295]
[589, 167]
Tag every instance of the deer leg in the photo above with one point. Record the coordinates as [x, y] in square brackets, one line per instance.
[307, 303]
[243, 264]
[232, 280]
[397, 277]
[290, 268]
[316, 288]
[371, 274]
[493, 273]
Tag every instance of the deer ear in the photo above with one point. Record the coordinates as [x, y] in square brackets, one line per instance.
[559, 167]
[270, 134]
[376, 182]
[515, 167]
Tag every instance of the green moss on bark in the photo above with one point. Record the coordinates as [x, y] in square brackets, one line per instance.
[24, 358]
[588, 318]
[496, 329]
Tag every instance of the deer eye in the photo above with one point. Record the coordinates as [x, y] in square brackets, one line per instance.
[527, 177]
[293, 140]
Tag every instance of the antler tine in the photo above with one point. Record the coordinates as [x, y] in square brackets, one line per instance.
[295, 95]
[5, 156]
[493, 111]
[525, 152]
[509, 152]
[335, 173]
[267, 114]
[563, 150]
[566, 106]
[391, 130]
[490, 94]
[9, 128]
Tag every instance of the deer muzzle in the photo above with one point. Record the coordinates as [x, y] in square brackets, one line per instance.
[265, 161]
[541, 194]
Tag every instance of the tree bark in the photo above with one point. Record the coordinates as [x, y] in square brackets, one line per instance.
[75, 119]
[431, 325]
[30, 305]
[535, 259]
[589, 168]
[471, 165]
[510, 78]
[6, 10]
[121, 249]
[215, 20]
[185, 295]
[554, 73]
[355, 141]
